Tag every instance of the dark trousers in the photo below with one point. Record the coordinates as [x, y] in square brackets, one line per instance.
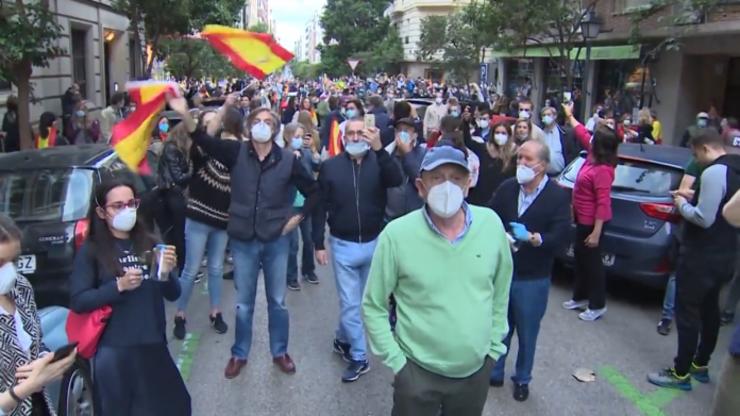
[171, 221]
[307, 262]
[418, 392]
[590, 277]
[699, 279]
[138, 381]
[527, 306]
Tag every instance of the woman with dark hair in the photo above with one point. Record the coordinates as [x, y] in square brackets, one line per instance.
[307, 106]
[134, 372]
[497, 161]
[289, 111]
[10, 133]
[173, 175]
[207, 216]
[591, 211]
[20, 335]
[49, 132]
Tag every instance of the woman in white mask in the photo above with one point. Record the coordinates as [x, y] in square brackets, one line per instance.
[20, 343]
[134, 372]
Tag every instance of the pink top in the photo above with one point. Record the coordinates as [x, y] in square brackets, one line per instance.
[592, 191]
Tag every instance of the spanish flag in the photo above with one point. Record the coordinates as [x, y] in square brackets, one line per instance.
[335, 139]
[257, 54]
[130, 137]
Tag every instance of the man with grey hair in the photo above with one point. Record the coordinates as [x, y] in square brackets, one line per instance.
[261, 217]
[536, 214]
[560, 141]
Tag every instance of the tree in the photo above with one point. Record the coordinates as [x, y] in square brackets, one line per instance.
[304, 70]
[358, 29]
[259, 27]
[433, 37]
[28, 35]
[173, 18]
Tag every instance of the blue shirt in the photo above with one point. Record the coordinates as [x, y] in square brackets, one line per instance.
[526, 200]
[468, 222]
[557, 160]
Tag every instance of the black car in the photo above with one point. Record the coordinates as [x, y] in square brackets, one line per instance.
[48, 193]
[637, 241]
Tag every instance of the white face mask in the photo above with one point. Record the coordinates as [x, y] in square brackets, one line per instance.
[445, 199]
[548, 119]
[438, 100]
[357, 149]
[8, 275]
[261, 132]
[525, 174]
[524, 115]
[500, 138]
[483, 124]
[125, 220]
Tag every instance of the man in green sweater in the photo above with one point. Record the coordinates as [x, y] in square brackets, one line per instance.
[449, 267]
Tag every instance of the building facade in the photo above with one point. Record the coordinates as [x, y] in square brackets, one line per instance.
[700, 71]
[100, 56]
[306, 47]
[407, 16]
[256, 12]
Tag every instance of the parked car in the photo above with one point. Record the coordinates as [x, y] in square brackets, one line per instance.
[636, 242]
[48, 193]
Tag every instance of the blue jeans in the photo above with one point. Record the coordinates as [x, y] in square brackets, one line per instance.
[669, 299]
[527, 306]
[200, 239]
[249, 258]
[351, 263]
[307, 263]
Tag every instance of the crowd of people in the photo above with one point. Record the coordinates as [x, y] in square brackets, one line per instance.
[408, 201]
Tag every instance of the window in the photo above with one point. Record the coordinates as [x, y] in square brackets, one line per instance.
[4, 85]
[79, 59]
[636, 177]
[407, 40]
[46, 195]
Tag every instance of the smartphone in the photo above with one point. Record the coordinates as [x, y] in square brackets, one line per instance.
[567, 97]
[64, 352]
[369, 121]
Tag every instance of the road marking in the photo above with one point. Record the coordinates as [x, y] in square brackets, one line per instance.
[187, 352]
[649, 404]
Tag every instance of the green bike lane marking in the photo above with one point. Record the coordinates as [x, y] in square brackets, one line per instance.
[649, 404]
[187, 352]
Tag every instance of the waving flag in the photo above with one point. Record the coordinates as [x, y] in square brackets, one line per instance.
[258, 54]
[335, 138]
[130, 137]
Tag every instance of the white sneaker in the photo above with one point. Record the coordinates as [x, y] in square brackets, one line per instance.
[592, 314]
[575, 304]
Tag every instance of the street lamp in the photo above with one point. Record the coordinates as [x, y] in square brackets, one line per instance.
[590, 27]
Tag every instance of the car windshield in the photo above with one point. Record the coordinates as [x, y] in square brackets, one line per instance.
[46, 194]
[636, 177]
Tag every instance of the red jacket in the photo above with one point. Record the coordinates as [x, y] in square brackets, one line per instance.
[592, 190]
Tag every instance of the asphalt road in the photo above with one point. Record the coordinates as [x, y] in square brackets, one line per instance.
[621, 348]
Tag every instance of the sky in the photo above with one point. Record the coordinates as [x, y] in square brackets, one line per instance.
[291, 17]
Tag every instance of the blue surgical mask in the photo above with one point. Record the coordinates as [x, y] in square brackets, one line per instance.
[296, 143]
[548, 119]
[702, 122]
[351, 113]
[404, 136]
[357, 148]
[261, 132]
[455, 113]
[164, 127]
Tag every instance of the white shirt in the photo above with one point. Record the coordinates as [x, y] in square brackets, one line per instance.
[22, 337]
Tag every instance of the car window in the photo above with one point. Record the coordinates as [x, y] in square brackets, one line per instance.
[636, 177]
[46, 194]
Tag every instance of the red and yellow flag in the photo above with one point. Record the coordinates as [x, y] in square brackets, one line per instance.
[130, 137]
[335, 139]
[257, 54]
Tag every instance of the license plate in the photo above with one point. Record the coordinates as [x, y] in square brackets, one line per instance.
[26, 264]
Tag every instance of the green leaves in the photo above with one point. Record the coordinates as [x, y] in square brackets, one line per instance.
[360, 31]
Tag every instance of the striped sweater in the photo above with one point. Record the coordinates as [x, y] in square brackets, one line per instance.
[209, 192]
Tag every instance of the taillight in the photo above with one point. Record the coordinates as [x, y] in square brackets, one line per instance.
[81, 228]
[660, 210]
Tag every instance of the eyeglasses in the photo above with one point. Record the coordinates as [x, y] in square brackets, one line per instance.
[117, 206]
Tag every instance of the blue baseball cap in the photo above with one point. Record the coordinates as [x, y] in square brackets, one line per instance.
[443, 155]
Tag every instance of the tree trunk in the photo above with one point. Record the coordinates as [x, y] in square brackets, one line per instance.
[24, 109]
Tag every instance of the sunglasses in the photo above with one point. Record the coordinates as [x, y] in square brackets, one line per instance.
[118, 206]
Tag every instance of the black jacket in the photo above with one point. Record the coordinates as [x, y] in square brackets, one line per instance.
[174, 168]
[549, 215]
[492, 172]
[354, 196]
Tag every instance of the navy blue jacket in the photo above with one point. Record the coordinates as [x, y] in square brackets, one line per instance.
[549, 215]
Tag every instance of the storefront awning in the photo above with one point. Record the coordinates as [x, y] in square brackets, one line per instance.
[597, 52]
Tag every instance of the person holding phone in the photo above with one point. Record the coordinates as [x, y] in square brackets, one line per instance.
[22, 388]
[134, 372]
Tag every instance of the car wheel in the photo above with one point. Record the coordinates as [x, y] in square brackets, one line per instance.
[76, 394]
